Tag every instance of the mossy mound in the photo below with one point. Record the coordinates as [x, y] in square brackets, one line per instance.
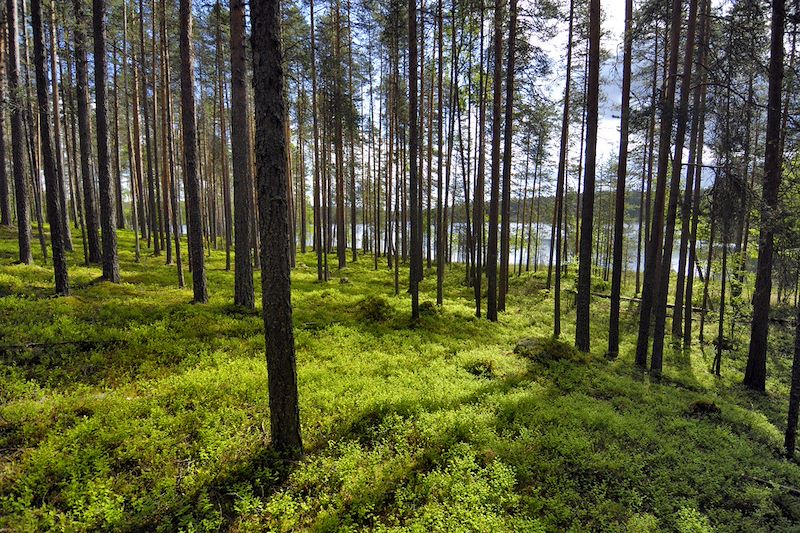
[544, 349]
[374, 309]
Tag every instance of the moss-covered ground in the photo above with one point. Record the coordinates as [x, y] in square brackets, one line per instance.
[126, 408]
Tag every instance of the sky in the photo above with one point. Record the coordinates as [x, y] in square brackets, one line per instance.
[613, 26]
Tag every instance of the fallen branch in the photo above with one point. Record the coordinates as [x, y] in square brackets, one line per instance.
[791, 490]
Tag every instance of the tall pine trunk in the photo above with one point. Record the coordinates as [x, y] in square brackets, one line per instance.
[21, 188]
[108, 217]
[194, 213]
[48, 157]
[619, 199]
[756, 372]
[271, 172]
[587, 209]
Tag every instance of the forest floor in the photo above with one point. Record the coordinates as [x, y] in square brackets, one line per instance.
[124, 407]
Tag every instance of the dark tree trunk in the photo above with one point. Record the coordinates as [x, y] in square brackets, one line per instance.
[270, 111]
[587, 209]
[85, 135]
[48, 158]
[440, 218]
[622, 170]
[660, 305]
[558, 207]
[5, 191]
[688, 197]
[505, 230]
[416, 218]
[194, 213]
[756, 372]
[477, 210]
[21, 188]
[652, 266]
[243, 293]
[108, 215]
[494, 192]
[62, 189]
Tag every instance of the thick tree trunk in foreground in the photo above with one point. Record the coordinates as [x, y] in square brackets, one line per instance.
[274, 226]
[755, 375]
[108, 217]
[194, 213]
[48, 158]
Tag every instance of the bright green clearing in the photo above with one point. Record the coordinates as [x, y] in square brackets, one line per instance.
[136, 410]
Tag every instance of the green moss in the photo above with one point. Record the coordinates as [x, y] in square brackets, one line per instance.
[124, 407]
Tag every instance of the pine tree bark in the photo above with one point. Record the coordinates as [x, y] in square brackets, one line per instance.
[494, 192]
[271, 171]
[62, 189]
[660, 306]
[85, 135]
[108, 217]
[505, 229]
[755, 376]
[619, 199]
[243, 293]
[5, 190]
[558, 208]
[652, 270]
[318, 225]
[188, 121]
[584, 286]
[48, 157]
[21, 188]
[478, 210]
[416, 218]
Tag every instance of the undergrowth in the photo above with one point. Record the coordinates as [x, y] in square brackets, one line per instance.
[126, 408]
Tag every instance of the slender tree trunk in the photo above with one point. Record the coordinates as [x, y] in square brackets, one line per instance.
[477, 211]
[151, 196]
[169, 150]
[190, 155]
[494, 193]
[587, 209]
[505, 229]
[48, 158]
[416, 218]
[660, 306]
[5, 190]
[243, 293]
[120, 212]
[85, 136]
[21, 188]
[558, 209]
[622, 171]
[108, 217]
[652, 273]
[756, 372]
[62, 190]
